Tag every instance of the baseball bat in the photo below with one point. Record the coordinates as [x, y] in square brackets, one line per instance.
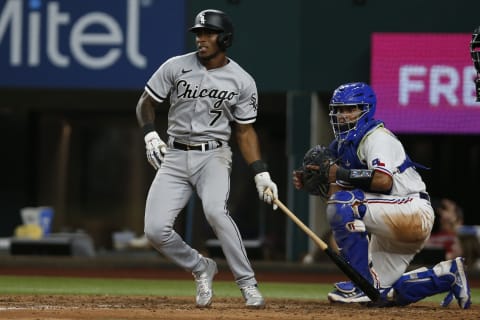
[347, 269]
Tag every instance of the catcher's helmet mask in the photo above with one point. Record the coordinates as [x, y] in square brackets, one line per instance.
[344, 122]
[217, 21]
[352, 94]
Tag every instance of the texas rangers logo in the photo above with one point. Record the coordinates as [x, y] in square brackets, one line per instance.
[202, 18]
[377, 163]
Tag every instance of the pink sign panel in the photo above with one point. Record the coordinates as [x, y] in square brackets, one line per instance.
[424, 83]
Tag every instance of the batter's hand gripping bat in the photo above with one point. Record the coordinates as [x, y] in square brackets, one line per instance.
[347, 269]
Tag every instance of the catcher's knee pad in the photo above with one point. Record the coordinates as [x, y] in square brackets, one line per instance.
[344, 213]
[344, 208]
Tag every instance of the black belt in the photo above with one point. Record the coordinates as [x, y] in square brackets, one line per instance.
[200, 147]
[424, 196]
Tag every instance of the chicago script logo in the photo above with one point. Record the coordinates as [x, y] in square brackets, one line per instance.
[187, 90]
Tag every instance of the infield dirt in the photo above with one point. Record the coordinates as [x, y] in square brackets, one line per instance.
[148, 307]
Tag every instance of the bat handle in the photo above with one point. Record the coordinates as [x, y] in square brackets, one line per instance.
[298, 222]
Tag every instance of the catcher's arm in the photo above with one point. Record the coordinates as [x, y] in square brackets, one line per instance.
[366, 179]
[320, 170]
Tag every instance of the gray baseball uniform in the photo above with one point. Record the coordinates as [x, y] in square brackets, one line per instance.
[202, 105]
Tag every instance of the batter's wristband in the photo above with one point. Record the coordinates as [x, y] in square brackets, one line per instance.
[258, 166]
[147, 128]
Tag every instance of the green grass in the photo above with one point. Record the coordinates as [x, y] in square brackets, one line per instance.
[100, 286]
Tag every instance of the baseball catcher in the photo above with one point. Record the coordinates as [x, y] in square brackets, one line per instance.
[475, 53]
[374, 190]
[314, 173]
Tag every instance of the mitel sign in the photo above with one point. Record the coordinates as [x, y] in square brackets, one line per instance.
[424, 82]
[87, 43]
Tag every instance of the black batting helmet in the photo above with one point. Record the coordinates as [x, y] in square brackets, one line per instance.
[218, 21]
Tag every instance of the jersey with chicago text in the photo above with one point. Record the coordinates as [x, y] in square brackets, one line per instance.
[203, 102]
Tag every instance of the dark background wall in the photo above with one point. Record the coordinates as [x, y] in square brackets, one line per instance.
[80, 150]
[316, 45]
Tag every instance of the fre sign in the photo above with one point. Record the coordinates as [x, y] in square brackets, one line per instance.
[424, 82]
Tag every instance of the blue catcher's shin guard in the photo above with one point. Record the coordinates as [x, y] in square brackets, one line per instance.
[344, 215]
[421, 283]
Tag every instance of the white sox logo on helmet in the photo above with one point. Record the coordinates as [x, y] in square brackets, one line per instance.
[202, 18]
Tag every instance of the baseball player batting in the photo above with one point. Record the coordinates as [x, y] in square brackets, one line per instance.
[207, 91]
[376, 189]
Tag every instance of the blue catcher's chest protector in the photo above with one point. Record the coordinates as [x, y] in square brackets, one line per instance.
[346, 152]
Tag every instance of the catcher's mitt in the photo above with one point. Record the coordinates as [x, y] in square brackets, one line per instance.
[316, 182]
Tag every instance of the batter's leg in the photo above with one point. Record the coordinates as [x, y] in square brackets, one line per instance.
[168, 195]
[213, 187]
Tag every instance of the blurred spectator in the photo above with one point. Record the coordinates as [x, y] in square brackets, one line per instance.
[450, 218]
[453, 236]
[470, 240]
